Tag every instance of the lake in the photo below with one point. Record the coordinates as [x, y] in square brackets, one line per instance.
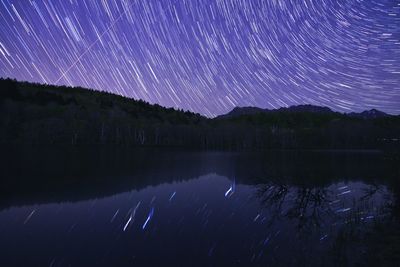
[149, 207]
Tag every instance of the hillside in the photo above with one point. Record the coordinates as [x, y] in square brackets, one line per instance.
[35, 113]
[43, 114]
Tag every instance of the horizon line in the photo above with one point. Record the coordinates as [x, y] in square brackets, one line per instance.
[202, 114]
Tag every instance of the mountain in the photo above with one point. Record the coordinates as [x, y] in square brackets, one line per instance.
[36, 114]
[369, 114]
[307, 108]
[240, 111]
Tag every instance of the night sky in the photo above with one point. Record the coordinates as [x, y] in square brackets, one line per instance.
[210, 56]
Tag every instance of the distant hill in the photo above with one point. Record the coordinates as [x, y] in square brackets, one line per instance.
[239, 111]
[369, 114]
[44, 115]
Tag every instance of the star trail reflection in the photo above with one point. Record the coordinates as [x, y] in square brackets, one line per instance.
[256, 225]
[155, 207]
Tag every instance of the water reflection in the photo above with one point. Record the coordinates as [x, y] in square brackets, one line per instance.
[315, 206]
[222, 209]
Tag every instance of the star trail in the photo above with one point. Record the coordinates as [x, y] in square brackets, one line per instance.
[210, 56]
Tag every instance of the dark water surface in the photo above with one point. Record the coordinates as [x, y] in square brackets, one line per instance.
[87, 207]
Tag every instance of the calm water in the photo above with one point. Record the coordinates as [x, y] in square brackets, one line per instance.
[174, 208]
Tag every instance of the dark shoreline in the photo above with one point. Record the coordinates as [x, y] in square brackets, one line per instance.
[36, 114]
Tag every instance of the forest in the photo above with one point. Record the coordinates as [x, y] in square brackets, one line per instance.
[39, 114]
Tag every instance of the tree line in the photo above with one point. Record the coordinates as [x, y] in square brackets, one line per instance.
[44, 114]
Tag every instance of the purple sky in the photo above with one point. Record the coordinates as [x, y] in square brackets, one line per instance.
[210, 56]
